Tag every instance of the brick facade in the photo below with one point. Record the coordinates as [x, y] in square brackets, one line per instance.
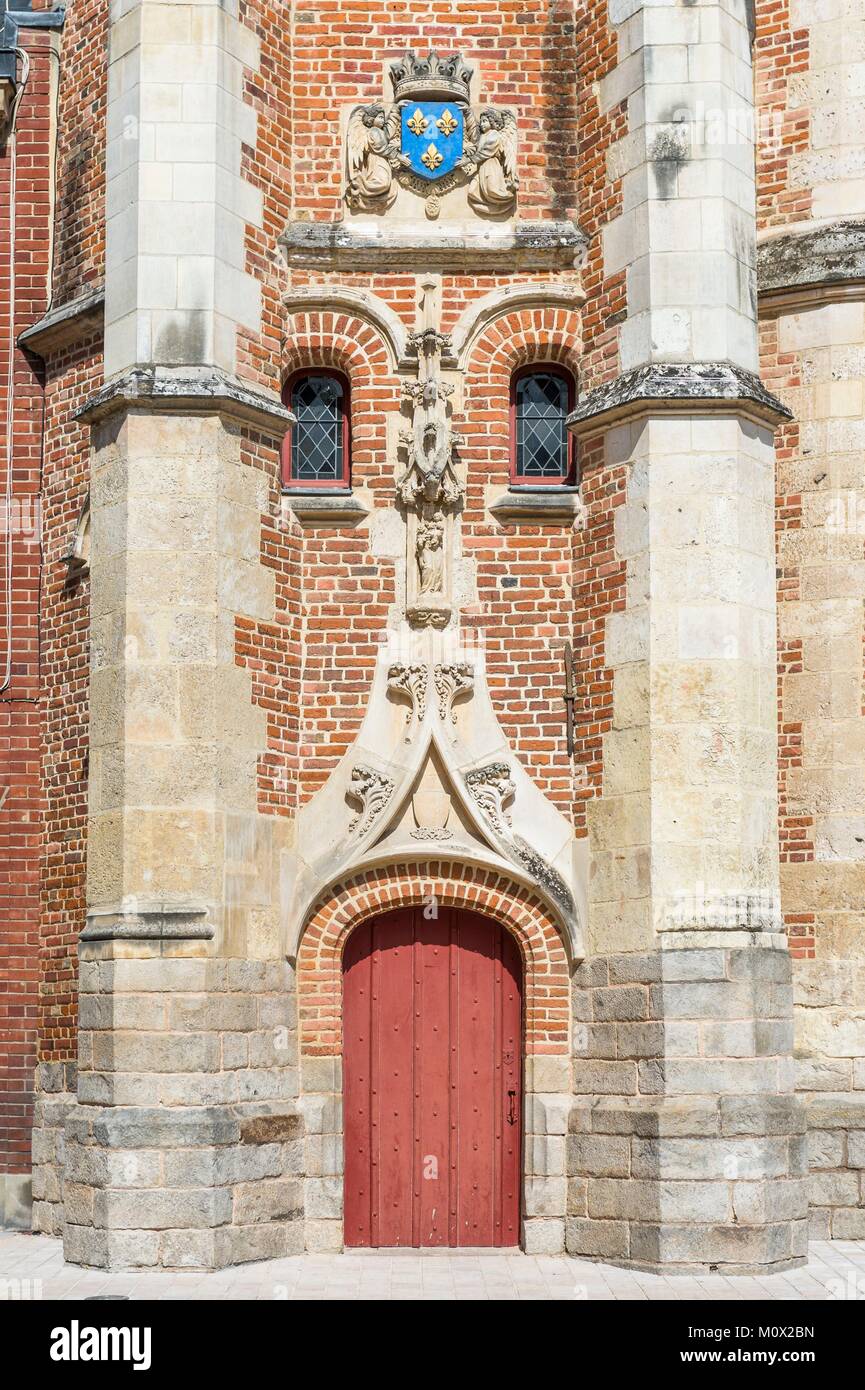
[230, 683]
[21, 791]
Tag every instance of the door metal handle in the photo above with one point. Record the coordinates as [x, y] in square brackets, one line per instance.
[512, 1107]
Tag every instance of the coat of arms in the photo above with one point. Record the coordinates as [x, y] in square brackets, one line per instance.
[431, 141]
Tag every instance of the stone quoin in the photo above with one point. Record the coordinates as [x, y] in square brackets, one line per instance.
[434, 518]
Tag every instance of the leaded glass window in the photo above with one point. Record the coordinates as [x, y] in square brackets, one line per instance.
[318, 444]
[542, 399]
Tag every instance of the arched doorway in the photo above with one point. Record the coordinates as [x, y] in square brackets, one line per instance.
[432, 1063]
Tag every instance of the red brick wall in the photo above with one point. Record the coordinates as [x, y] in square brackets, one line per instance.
[525, 53]
[525, 625]
[599, 590]
[79, 218]
[781, 372]
[600, 198]
[269, 168]
[336, 54]
[271, 652]
[72, 375]
[20, 801]
[328, 580]
[783, 130]
[312, 667]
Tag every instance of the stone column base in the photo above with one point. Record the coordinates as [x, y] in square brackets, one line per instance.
[688, 1185]
[182, 1187]
[696, 1157]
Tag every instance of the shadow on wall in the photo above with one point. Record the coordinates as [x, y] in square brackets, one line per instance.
[559, 115]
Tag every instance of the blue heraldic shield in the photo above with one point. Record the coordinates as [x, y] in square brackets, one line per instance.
[432, 136]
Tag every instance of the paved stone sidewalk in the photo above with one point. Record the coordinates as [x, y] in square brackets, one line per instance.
[835, 1270]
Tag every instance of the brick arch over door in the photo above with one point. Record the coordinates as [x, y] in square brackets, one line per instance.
[379, 890]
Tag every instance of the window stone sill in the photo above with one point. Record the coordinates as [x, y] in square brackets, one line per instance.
[541, 504]
[339, 509]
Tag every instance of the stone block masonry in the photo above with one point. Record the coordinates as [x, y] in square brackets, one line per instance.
[689, 1148]
[185, 1148]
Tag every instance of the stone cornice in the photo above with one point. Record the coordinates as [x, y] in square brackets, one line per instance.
[524, 246]
[147, 922]
[187, 391]
[65, 323]
[819, 259]
[680, 386]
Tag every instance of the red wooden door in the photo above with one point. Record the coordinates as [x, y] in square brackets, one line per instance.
[432, 1074]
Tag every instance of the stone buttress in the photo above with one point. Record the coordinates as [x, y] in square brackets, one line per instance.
[687, 1147]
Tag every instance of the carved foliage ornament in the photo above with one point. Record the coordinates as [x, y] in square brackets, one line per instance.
[372, 791]
[410, 680]
[430, 145]
[452, 680]
[491, 787]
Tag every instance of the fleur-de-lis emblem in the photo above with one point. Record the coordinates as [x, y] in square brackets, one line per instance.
[431, 158]
[418, 123]
[446, 123]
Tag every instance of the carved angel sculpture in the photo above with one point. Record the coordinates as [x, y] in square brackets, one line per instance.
[495, 158]
[372, 157]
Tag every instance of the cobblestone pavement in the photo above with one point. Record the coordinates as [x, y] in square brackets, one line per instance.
[836, 1270]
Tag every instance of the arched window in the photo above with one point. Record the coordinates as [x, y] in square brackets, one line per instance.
[315, 453]
[542, 449]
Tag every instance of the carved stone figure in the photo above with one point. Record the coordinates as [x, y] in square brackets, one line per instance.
[372, 157]
[429, 488]
[494, 158]
[430, 142]
[430, 554]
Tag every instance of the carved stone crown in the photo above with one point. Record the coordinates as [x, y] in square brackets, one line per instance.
[413, 76]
